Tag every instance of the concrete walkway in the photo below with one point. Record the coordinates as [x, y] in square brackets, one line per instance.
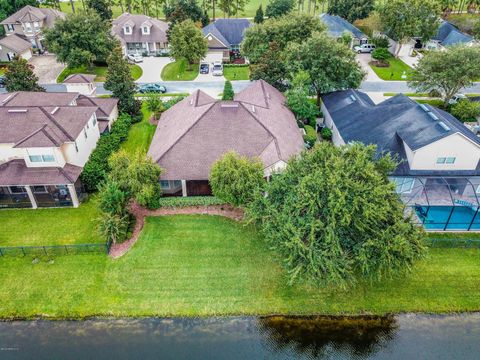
[363, 60]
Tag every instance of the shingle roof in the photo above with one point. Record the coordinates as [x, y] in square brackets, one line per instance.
[30, 14]
[391, 122]
[197, 131]
[228, 31]
[79, 79]
[105, 105]
[28, 98]
[15, 172]
[337, 25]
[448, 34]
[158, 30]
[15, 43]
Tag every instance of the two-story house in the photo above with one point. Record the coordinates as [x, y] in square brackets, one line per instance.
[26, 24]
[438, 176]
[140, 34]
[45, 141]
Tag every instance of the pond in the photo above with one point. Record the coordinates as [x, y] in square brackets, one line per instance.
[401, 337]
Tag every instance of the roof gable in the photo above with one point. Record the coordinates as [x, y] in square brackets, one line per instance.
[228, 31]
[337, 25]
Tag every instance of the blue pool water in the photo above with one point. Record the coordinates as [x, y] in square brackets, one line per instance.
[442, 217]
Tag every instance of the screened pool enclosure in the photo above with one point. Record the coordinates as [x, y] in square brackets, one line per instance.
[441, 203]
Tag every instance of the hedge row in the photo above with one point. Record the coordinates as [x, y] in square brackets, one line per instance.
[179, 202]
[96, 168]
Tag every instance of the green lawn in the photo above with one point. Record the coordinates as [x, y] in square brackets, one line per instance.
[140, 134]
[50, 226]
[178, 70]
[99, 71]
[394, 71]
[191, 265]
[236, 72]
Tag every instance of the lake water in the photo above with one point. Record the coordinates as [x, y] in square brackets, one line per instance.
[400, 337]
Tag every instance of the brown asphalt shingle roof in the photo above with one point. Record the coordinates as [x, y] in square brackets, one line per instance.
[30, 14]
[28, 98]
[105, 105]
[197, 131]
[158, 29]
[15, 43]
[79, 79]
[16, 173]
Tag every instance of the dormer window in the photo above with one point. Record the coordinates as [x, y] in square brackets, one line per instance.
[127, 30]
[145, 30]
[36, 25]
[10, 27]
[28, 27]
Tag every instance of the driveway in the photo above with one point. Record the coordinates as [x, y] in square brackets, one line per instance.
[152, 68]
[47, 68]
[210, 58]
[363, 60]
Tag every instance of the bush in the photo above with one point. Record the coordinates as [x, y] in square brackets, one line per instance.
[228, 93]
[310, 137]
[113, 227]
[380, 42]
[180, 202]
[381, 54]
[96, 169]
[466, 110]
[169, 103]
[326, 133]
[112, 199]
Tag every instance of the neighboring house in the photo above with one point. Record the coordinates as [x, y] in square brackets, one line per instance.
[13, 45]
[45, 141]
[81, 83]
[337, 26]
[197, 131]
[29, 22]
[448, 35]
[438, 176]
[225, 36]
[140, 34]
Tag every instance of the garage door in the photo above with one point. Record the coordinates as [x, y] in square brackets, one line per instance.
[213, 57]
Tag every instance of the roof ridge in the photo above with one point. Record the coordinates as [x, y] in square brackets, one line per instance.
[52, 119]
[64, 173]
[30, 135]
[8, 99]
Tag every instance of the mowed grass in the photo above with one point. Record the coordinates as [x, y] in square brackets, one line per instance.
[394, 71]
[236, 72]
[99, 71]
[50, 226]
[178, 71]
[140, 134]
[200, 265]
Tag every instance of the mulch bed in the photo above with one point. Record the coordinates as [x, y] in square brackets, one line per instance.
[118, 250]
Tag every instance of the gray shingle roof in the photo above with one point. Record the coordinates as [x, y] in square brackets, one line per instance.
[337, 25]
[228, 31]
[389, 123]
[197, 131]
[448, 34]
[30, 14]
[158, 29]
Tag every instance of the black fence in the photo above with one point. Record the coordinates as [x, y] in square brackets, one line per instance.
[55, 250]
[453, 243]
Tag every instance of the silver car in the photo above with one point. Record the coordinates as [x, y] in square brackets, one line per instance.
[217, 69]
[364, 48]
[135, 58]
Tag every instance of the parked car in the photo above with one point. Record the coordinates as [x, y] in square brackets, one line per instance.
[456, 98]
[2, 81]
[217, 69]
[364, 48]
[135, 58]
[152, 88]
[204, 68]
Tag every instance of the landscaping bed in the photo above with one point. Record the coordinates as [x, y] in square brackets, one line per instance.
[178, 71]
[394, 71]
[200, 265]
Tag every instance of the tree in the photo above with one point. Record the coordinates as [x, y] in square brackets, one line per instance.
[404, 19]
[187, 42]
[466, 110]
[298, 100]
[447, 71]
[136, 175]
[154, 104]
[80, 39]
[120, 82]
[351, 10]
[381, 55]
[177, 11]
[476, 30]
[112, 199]
[236, 179]
[277, 8]
[231, 7]
[228, 93]
[330, 65]
[334, 217]
[282, 31]
[270, 67]
[102, 7]
[258, 19]
[447, 6]
[19, 76]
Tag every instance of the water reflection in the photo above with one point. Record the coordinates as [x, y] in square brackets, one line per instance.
[400, 337]
[317, 337]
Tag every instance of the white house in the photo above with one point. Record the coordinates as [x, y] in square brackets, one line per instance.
[45, 141]
[81, 83]
[438, 176]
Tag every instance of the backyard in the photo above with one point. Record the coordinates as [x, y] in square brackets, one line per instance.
[140, 134]
[236, 72]
[99, 71]
[178, 70]
[198, 265]
[393, 72]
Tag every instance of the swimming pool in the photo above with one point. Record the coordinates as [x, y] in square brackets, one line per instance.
[443, 218]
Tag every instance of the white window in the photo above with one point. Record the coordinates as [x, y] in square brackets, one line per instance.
[48, 158]
[403, 185]
[127, 30]
[441, 160]
[76, 146]
[41, 158]
[165, 184]
[85, 133]
[35, 158]
[28, 27]
[10, 27]
[145, 30]
[35, 25]
[94, 121]
[450, 160]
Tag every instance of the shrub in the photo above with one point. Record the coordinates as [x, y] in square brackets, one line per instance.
[381, 54]
[179, 202]
[96, 169]
[380, 42]
[228, 93]
[174, 100]
[113, 227]
[326, 133]
[236, 179]
[466, 110]
[112, 199]
[310, 137]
